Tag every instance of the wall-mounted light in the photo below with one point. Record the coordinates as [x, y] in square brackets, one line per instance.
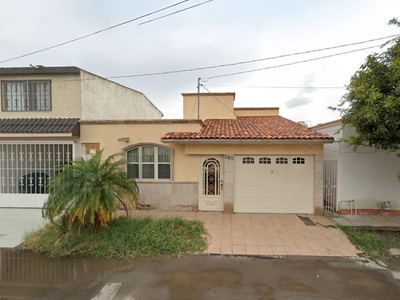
[123, 139]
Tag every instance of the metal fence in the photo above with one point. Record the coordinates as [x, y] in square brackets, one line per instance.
[330, 185]
[26, 168]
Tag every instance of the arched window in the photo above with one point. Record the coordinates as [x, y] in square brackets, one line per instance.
[298, 161]
[149, 162]
[248, 160]
[281, 161]
[264, 161]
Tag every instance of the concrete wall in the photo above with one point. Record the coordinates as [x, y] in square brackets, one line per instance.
[212, 106]
[169, 196]
[365, 175]
[254, 111]
[65, 97]
[106, 100]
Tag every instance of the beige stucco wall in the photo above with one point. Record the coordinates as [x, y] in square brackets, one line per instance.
[184, 168]
[103, 99]
[246, 148]
[255, 111]
[65, 93]
[212, 106]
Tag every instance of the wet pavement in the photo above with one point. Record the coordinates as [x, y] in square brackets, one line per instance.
[27, 276]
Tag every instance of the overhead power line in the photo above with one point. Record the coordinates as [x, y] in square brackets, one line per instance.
[254, 60]
[279, 87]
[105, 29]
[175, 12]
[288, 64]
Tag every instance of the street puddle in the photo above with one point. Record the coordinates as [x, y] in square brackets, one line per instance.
[27, 276]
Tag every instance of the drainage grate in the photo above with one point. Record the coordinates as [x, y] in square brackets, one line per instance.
[307, 221]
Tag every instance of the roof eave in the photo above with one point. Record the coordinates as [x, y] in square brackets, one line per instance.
[33, 135]
[247, 141]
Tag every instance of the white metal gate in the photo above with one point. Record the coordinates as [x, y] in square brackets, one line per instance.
[26, 169]
[330, 185]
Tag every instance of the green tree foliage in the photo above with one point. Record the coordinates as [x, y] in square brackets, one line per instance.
[88, 191]
[372, 102]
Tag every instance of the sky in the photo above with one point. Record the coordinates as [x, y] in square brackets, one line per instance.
[218, 32]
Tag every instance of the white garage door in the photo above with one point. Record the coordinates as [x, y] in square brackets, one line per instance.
[274, 184]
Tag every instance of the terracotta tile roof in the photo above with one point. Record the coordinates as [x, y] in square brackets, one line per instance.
[250, 128]
[40, 125]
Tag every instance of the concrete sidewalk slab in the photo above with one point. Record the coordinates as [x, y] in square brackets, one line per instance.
[368, 221]
[352, 220]
[15, 222]
[267, 234]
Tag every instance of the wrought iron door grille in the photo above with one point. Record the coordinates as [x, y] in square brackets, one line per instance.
[211, 177]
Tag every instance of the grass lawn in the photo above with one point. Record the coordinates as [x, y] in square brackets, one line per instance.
[125, 238]
[374, 243]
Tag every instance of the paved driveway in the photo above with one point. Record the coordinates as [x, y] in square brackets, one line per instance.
[268, 234]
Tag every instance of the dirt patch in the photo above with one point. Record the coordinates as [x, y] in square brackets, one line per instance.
[392, 237]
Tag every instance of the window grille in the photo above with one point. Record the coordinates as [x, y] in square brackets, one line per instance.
[26, 95]
[248, 160]
[298, 161]
[281, 161]
[264, 161]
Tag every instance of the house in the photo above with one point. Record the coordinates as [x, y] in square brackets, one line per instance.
[218, 158]
[39, 124]
[364, 179]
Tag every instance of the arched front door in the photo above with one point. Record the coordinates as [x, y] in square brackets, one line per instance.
[211, 184]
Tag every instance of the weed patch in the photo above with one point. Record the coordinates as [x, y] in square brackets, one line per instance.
[125, 238]
[371, 242]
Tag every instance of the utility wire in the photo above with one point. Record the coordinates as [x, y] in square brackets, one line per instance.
[280, 87]
[251, 61]
[218, 100]
[94, 33]
[175, 12]
[289, 64]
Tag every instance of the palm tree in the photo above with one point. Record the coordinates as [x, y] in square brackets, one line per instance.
[88, 191]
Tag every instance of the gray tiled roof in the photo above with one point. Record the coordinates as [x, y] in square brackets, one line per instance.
[40, 125]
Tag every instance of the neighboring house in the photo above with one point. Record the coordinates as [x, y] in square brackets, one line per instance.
[39, 124]
[365, 178]
[219, 158]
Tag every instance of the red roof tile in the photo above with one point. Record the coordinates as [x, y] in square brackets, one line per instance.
[250, 128]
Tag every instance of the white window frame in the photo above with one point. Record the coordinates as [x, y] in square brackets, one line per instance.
[156, 163]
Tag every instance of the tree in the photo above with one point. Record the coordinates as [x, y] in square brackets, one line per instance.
[372, 102]
[88, 191]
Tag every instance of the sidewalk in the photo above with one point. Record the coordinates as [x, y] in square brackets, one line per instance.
[382, 222]
[15, 222]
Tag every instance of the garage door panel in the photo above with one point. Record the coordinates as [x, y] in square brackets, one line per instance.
[274, 188]
[280, 205]
[298, 205]
[263, 175]
[249, 189]
[248, 175]
[265, 190]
